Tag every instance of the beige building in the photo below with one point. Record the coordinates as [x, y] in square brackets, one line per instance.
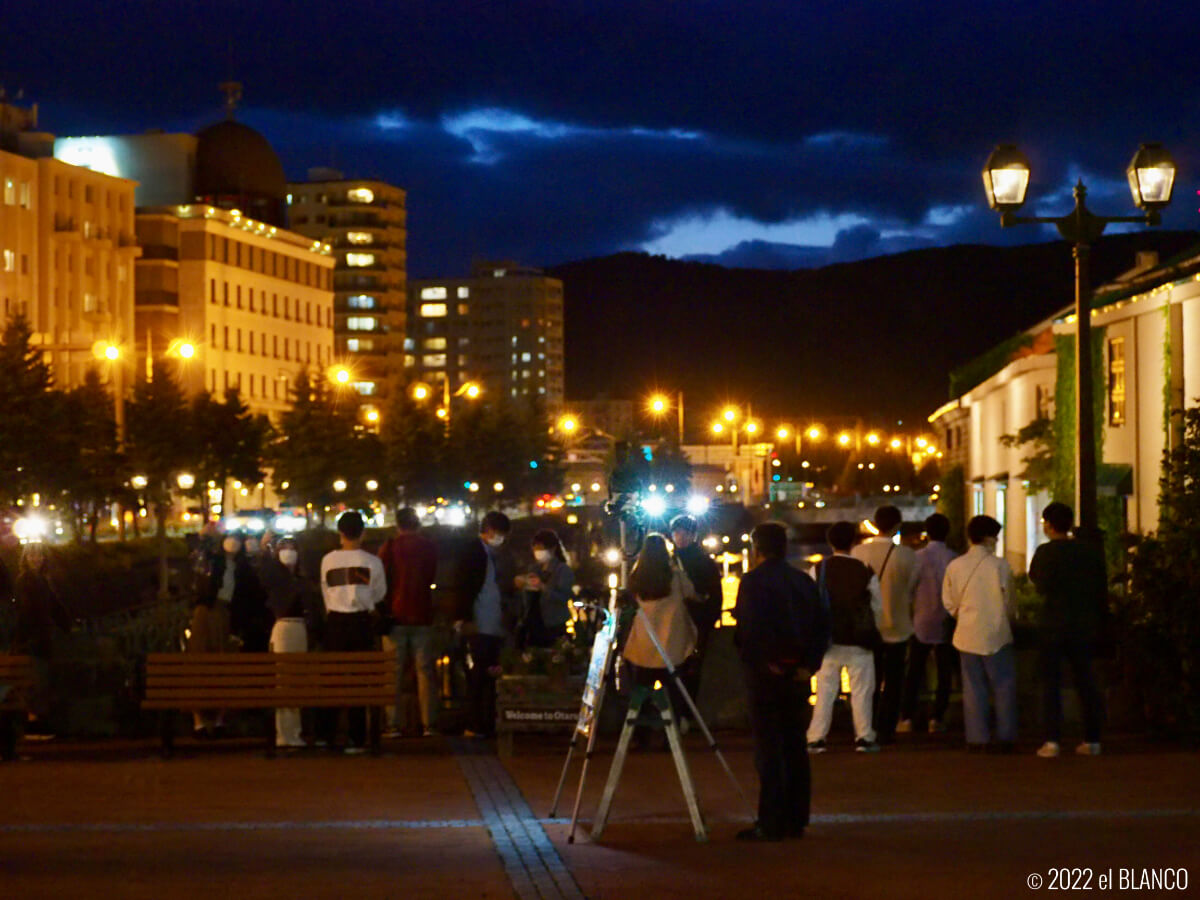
[239, 303]
[67, 248]
[365, 222]
[502, 327]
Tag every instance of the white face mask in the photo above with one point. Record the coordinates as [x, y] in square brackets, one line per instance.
[496, 540]
[288, 556]
[543, 556]
[231, 545]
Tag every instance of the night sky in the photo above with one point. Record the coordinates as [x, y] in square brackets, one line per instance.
[747, 132]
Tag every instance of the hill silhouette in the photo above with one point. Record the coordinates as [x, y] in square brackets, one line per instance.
[876, 338]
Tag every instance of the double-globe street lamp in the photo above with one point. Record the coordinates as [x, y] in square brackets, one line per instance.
[1151, 176]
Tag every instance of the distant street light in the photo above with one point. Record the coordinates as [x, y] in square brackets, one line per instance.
[498, 487]
[568, 424]
[339, 485]
[1151, 175]
[139, 481]
[420, 392]
[372, 485]
[339, 375]
[185, 480]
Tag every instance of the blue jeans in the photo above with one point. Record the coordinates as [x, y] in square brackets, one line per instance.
[417, 641]
[988, 679]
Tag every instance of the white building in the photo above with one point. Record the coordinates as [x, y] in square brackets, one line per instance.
[1148, 324]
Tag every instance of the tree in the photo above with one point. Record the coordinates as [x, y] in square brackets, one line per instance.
[28, 407]
[230, 440]
[416, 449]
[97, 468]
[1038, 436]
[1160, 618]
[160, 445]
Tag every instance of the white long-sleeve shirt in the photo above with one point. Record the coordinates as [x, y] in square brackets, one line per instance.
[977, 591]
[352, 581]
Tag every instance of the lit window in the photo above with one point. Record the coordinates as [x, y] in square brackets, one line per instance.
[1116, 381]
[90, 304]
[433, 293]
[435, 343]
[434, 360]
[433, 310]
[10, 261]
[464, 293]
[525, 357]
[462, 342]
[408, 343]
[409, 360]
[360, 237]
[289, 199]
[10, 192]
[359, 345]
[360, 259]
[25, 194]
[366, 388]
[361, 323]
[463, 309]
[360, 195]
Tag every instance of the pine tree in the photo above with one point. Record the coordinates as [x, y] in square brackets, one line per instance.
[28, 407]
[97, 470]
[231, 442]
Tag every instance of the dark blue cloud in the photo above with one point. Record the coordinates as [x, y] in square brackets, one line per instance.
[554, 129]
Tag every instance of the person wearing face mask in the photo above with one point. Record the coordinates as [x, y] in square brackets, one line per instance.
[291, 598]
[485, 573]
[548, 591]
[977, 592]
[238, 586]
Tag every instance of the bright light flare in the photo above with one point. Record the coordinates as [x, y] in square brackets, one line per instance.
[698, 504]
[655, 507]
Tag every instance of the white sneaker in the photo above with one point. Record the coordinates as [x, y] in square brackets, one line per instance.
[1048, 750]
[904, 726]
[1086, 749]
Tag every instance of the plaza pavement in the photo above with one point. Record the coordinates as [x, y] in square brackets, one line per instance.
[446, 818]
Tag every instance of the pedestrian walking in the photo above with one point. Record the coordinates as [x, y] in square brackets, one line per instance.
[547, 589]
[896, 567]
[705, 606]
[485, 577]
[977, 591]
[291, 599]
[410, 564]
[932, 629]
[1070, 576]
[851, 591]
[353, 585]
[782, 631]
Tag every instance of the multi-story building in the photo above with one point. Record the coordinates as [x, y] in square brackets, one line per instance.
[222, 285]
[502, 327]
[1148, 324]
[365, 222]
[67, 248]
[250, 303]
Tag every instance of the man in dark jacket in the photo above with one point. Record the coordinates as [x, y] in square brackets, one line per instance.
[1070, 575]
[410, 562]
[705, 607]
[485, 581]
[780, 619]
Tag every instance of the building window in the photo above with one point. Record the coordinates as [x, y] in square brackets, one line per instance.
[10, 192]
[365, 388]
[464, 293]
[25, 201]
[90, 303]
[359, 345]
[433, 310]
[433, 293]
[434, 360]
[360, 195]
[360, 237]
[1116, 381]
[435, 343]
[10, 261]
[361, 301]
[361, 323]
[359, 260]
[409, 360]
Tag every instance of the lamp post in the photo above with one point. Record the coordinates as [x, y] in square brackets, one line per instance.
[1151, 175]
[659, 405]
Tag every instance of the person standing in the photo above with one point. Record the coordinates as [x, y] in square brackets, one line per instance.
[977, 591]
[353, 585]
[291, 598]
[549, 589]
[410, 563]
[705, 607]
[1070, 575]
[660, 587]
[932, 627]
[485, 573]
[780, 617]
[39, 611]
[896, 567]
[236, 595]
[852, 591]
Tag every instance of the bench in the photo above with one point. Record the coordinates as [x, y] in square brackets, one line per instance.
[16, 684]
[269, 681]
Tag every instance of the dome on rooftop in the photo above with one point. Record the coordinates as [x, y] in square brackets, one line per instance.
[236, 168]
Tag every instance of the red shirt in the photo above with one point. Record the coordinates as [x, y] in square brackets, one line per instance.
[410, 563]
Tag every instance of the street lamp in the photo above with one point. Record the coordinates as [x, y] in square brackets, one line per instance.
[339, 375]
[1151, 175]
[568, 425]
[185, 480]
[660, 404]
[420, 392]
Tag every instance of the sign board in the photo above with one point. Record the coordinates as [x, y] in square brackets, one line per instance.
[593, 687]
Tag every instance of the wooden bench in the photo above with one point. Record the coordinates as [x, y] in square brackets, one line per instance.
[16, 683]
[269, 681]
